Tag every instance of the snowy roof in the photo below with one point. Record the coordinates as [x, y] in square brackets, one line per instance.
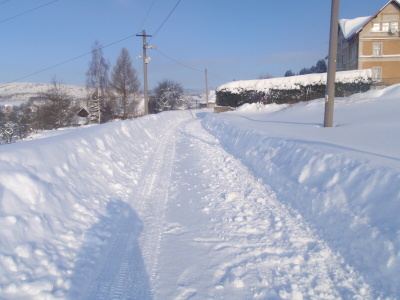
[351, 26]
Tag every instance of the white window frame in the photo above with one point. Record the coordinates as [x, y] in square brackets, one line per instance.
[394, 25]
[377, 50]
[377, 74]
[376, 27]
[353, 53]
[385, 26]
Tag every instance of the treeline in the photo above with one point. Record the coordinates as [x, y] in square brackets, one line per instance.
[320, 67]
[52, 109]
[107, 99]
[110, 96]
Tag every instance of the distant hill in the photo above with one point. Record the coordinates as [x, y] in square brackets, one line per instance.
[22, 91]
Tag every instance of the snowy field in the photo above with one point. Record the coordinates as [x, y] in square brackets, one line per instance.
[259, 203]
[22, 91]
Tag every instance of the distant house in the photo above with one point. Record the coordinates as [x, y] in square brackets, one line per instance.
[37, 100]
[83, 113]
[372, 43]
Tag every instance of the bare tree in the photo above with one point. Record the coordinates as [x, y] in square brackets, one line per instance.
[124, 81]
[57, 110]
[97, 82]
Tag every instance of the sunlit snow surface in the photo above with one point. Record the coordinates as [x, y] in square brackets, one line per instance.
[260, 203]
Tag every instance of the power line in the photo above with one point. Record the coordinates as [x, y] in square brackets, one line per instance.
[72, 59]
[145, 18]
[180, 63]
[186, 66]
[28, 11]
[162, 24]
[4, 1]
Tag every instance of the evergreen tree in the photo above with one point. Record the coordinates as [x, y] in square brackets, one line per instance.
[304, 71]
[289, 73]
[321, 67]
[97, 82]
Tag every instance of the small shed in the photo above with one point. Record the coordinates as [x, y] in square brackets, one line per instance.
[83, 113]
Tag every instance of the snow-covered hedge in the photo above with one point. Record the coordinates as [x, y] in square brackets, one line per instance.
[291, 89]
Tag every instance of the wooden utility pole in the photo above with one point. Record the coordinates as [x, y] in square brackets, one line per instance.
[332, 57]
[145, 62]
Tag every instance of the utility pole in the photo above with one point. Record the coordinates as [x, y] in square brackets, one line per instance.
[332, 57]
[145, 62]
[206, 88]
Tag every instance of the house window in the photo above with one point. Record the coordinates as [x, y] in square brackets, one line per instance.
[344, 60]
[353, 53]
[394, 26]
[377, 74]
[385, 26]
[376, 27]
[377, 49]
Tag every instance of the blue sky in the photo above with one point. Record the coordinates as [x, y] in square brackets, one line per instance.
[234, 40]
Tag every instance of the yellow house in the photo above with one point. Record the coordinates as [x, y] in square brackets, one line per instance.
[372, 43]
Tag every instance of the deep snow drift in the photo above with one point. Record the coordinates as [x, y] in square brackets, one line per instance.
[345, 180]
[160, 208]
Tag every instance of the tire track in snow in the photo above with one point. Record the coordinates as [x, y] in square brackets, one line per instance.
[154, 195]
[130, 269]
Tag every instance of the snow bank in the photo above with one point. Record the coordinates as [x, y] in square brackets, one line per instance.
[294, 82]
[345, 181]
[62, 197]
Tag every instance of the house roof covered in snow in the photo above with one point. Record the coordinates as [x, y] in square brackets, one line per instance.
[350, 27]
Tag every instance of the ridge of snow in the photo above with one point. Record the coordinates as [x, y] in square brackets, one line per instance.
[345, 181]
[294, 82]
[54, 190]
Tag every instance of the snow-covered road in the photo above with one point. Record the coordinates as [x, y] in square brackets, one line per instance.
[209, 230]
[239, 242]
[253, 204]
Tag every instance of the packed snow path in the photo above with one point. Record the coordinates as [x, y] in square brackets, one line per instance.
[204, 228]
[159, 208]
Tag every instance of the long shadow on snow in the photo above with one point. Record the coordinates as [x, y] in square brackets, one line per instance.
[110, 263]
[282, 122]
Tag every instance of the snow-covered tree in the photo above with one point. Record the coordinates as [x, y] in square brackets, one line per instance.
[15, 123]
[124, 81]
[8, 130]
[168, 96]
[97, 82]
